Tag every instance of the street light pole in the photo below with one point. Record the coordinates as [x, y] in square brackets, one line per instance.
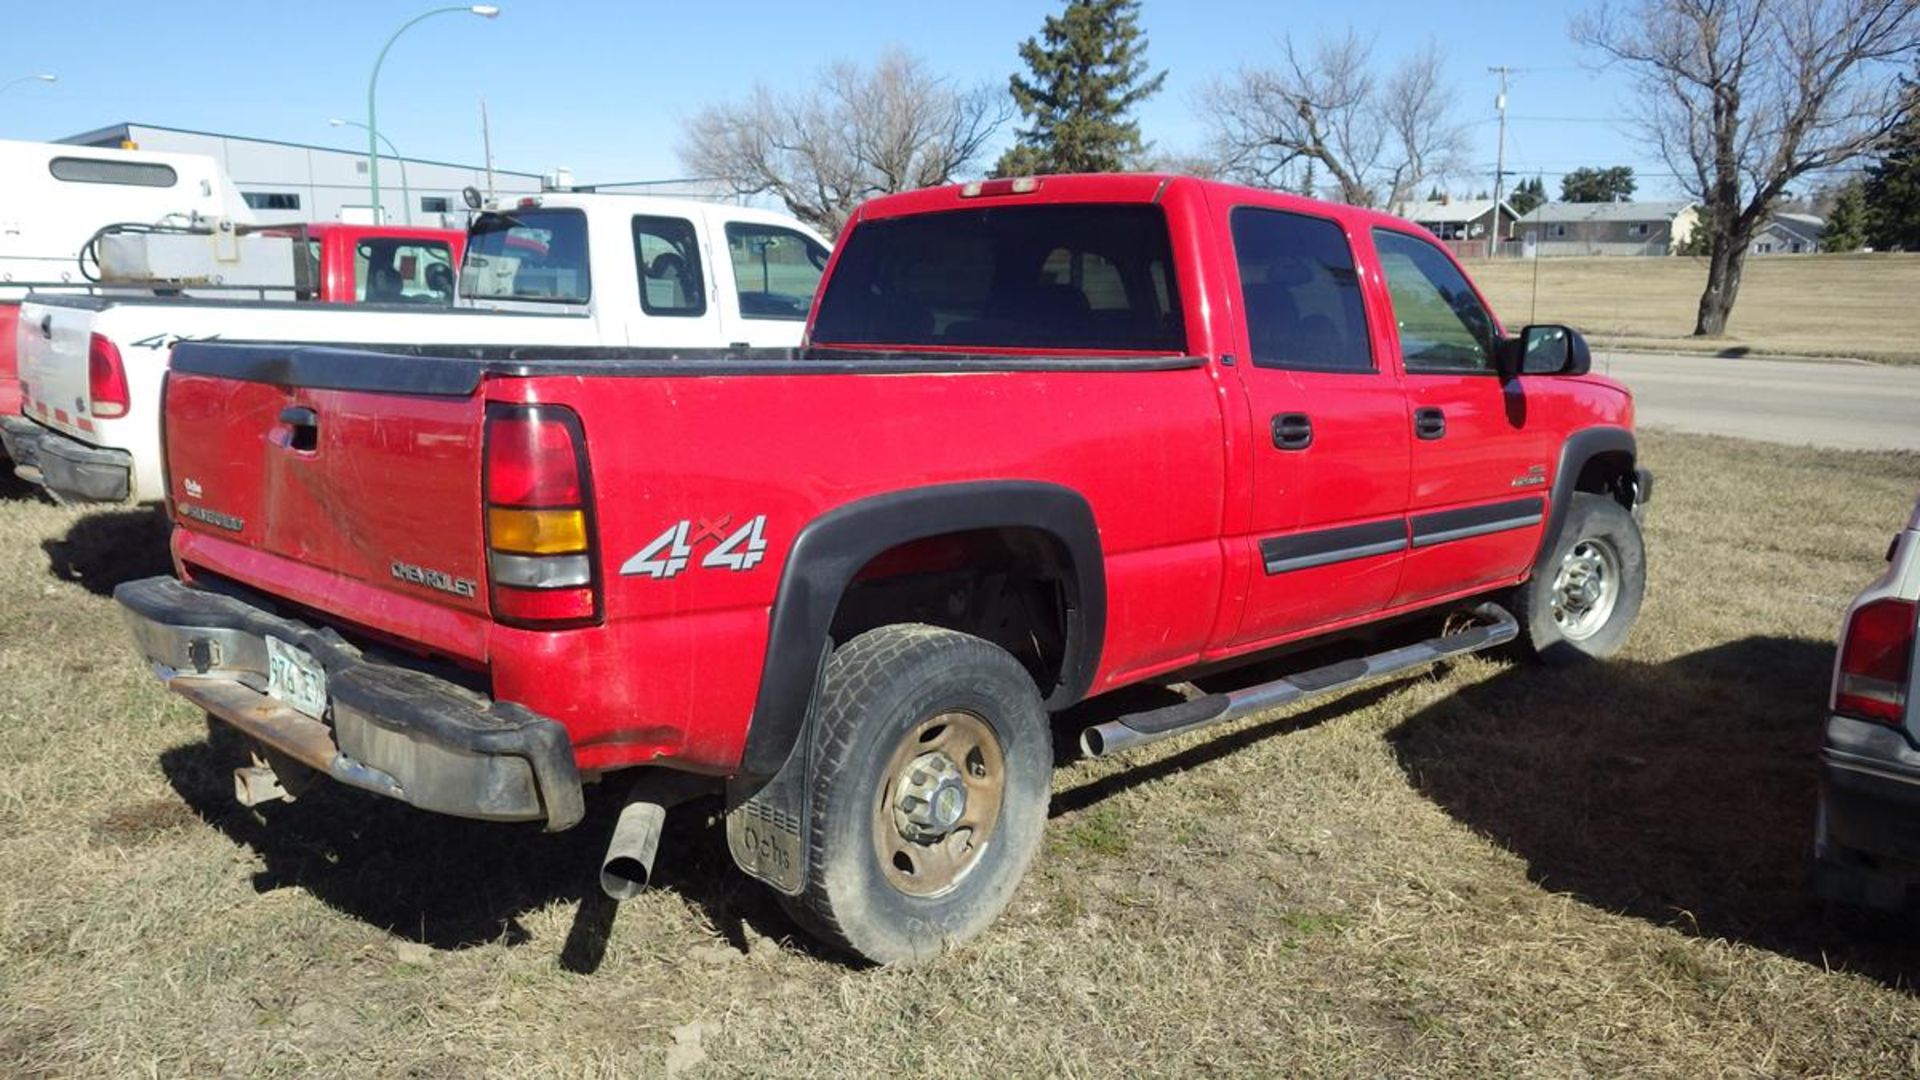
[406, 194]
[485, 11]
[10, 83]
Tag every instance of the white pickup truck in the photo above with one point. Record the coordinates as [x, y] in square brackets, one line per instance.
[557, 269]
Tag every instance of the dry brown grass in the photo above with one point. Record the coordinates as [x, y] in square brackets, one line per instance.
[1494, 870]
[1809, 305]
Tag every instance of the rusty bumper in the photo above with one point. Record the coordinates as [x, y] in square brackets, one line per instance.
[391, 730]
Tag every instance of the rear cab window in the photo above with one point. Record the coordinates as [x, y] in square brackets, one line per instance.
[389, 270]
[535, 254]
[775, 270]
[1078, 278]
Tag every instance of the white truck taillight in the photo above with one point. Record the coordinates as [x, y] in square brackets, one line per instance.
[1875, 662]
[540, 557]
[106, 379]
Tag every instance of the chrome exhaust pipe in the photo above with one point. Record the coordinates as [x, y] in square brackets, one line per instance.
[628, 865]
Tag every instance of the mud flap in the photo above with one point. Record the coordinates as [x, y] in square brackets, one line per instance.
[769, 820]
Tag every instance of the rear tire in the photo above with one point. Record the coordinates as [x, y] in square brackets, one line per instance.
[1583, 601]
[932, 770]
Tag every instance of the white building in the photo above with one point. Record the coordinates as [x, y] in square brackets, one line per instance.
[288, 182]
[1609, 228]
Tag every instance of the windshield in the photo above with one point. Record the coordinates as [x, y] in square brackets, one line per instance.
[1082, 277]
[532, 254]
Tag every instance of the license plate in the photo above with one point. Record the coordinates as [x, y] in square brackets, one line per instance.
[296, 678]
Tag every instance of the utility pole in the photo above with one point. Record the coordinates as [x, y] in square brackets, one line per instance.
[486, 144]
[1500, 163]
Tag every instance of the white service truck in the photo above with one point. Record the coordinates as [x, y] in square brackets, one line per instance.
[557, 269]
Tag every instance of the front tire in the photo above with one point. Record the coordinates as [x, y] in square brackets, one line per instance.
[1583, 602]
[932, 767]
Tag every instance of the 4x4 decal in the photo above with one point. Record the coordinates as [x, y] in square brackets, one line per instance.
[670, 552]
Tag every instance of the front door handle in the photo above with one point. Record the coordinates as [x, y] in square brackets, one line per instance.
[1292, 431]
[1429, 423]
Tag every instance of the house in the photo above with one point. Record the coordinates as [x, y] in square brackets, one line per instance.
[1462, 223]
[1789, 234]
[1616, 228]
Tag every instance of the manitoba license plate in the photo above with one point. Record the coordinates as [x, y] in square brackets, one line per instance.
[296, 678]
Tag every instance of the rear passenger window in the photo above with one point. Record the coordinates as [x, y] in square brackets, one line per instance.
[1300, 292]
[668, 257]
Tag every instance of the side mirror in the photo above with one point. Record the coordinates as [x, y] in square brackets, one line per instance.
[1543, 350]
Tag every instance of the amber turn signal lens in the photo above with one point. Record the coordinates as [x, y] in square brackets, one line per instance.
[537, 532]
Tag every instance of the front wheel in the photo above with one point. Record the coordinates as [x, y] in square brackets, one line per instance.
[931, 771]
[1584, 600]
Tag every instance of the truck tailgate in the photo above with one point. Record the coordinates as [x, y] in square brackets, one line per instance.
[379, 488]
[53, 364]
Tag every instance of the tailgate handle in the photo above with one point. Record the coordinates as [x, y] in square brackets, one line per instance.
[306, 427]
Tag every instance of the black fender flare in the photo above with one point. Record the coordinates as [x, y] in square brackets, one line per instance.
[832, 548]
[1581, 447]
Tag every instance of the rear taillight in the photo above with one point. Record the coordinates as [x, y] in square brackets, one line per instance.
[540, 557]
[1874, 662]
[106, 379]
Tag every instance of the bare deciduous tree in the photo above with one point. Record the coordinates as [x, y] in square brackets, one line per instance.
[1377, 140]
[1742, 97]
[855, 134]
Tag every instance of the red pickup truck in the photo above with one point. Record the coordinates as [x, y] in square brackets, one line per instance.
[1050, 437]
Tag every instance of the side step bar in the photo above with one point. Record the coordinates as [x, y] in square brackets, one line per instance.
[1496, 627]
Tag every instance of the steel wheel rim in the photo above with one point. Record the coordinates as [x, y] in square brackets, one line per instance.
[924, 847]
[1586, 588]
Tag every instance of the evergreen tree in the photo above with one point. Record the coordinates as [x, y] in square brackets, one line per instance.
[1086, 72]
[1527, 195]
[1590, 185]
[1892, 189]
[1847, 222]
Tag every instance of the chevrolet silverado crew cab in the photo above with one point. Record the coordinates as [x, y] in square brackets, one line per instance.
[551, 270]
[1050, 437]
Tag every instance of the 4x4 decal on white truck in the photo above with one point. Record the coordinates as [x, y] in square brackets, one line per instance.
[669, 553]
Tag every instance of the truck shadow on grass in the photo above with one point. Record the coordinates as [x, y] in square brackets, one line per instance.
[103, 549]
[451, 883]
[1682, 793]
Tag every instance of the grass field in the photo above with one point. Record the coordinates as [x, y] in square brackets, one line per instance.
[1492, 870]
[1811, 305]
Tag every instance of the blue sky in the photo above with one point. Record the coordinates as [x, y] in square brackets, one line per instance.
[602, 86]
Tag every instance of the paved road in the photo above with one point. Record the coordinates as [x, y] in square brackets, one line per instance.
[1842, 405]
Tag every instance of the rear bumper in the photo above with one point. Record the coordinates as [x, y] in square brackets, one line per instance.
[1867, 839]
[69, 469]
[394, 731]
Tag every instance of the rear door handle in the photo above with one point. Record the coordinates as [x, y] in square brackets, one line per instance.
[1292, 431]
[1429, 423]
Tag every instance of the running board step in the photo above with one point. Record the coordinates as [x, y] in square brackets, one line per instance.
[1495, 626]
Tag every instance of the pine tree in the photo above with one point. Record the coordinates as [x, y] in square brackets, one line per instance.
[1527, 195]
[1847, 222]
[1087, 70]
[1892, 188]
